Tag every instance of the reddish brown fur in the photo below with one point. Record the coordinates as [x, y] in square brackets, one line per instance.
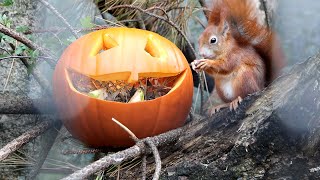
[244, 55]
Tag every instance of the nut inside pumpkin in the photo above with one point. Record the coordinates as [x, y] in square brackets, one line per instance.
[147, 88]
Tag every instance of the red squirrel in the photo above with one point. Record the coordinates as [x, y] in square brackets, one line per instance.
[241, 55]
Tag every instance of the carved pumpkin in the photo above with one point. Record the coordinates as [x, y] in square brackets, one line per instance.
[121, 54]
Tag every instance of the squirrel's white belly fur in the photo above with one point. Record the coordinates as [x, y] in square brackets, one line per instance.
[227, 89]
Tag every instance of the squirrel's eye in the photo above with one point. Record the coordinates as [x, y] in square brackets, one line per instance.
[213, 40]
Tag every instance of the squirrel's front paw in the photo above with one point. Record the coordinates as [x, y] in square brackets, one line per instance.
[194, 65]
[199, 65]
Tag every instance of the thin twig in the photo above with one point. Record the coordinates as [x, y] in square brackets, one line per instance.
[85, 151]
[140, 21]
[13, 57]
[28, 43]
[200, 22]
[156, 155]
[132, 135]
[22, 57]
[196, 101]
[161, 9]
[44, 83]
[60, 29]
[44, 2]
[206, 86]
[118, 175]
[201, 78]
[25, 138]
[9, 75]
[205, 8]
[10, 71]
[265, 9]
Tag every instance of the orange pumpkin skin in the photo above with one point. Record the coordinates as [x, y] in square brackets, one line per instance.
[89, 119]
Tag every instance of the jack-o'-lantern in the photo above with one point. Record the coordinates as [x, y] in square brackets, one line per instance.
[121, 54]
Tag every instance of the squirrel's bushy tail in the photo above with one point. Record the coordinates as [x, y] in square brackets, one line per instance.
[243, 17]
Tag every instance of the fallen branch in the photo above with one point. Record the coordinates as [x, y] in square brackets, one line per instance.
[25, 138]
[27, 42]
[49, 6]
[156, 157]
[127, 154]
[153, 148]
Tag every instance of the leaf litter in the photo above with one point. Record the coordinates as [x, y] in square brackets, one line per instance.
[121, 91]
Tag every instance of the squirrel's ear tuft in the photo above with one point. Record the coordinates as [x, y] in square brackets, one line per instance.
[225, 28]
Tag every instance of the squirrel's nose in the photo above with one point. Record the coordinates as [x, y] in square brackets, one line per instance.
[205, 52]
[201, 52]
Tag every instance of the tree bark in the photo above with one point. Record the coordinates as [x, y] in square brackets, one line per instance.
[274, 134]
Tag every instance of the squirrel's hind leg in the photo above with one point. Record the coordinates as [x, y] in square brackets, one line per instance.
[217, 108]
[233, 105]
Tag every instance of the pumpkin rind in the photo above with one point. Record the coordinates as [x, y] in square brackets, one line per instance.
[89, 119]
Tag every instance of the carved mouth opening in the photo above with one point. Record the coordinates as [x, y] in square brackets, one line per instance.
[146, 88]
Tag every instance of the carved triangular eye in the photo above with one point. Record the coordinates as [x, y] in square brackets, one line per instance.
[153, 47]
[108, 42]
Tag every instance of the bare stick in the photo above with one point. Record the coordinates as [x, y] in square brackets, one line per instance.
[200, 22]
[86, 151]
[132, 135]
[144, 167]
[13, 57]
[201, 83]
[58, 29]
[25, 138]
[118, 176]
[205, 8]
[127, 154]
[206, 83]
[196, 101]
[44, 2]
[265, 9]
[44, 83]
[156, 155]
[27, 42]
[9, 75]
[22, 57]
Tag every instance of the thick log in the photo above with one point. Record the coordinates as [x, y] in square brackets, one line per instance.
[274, 134]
